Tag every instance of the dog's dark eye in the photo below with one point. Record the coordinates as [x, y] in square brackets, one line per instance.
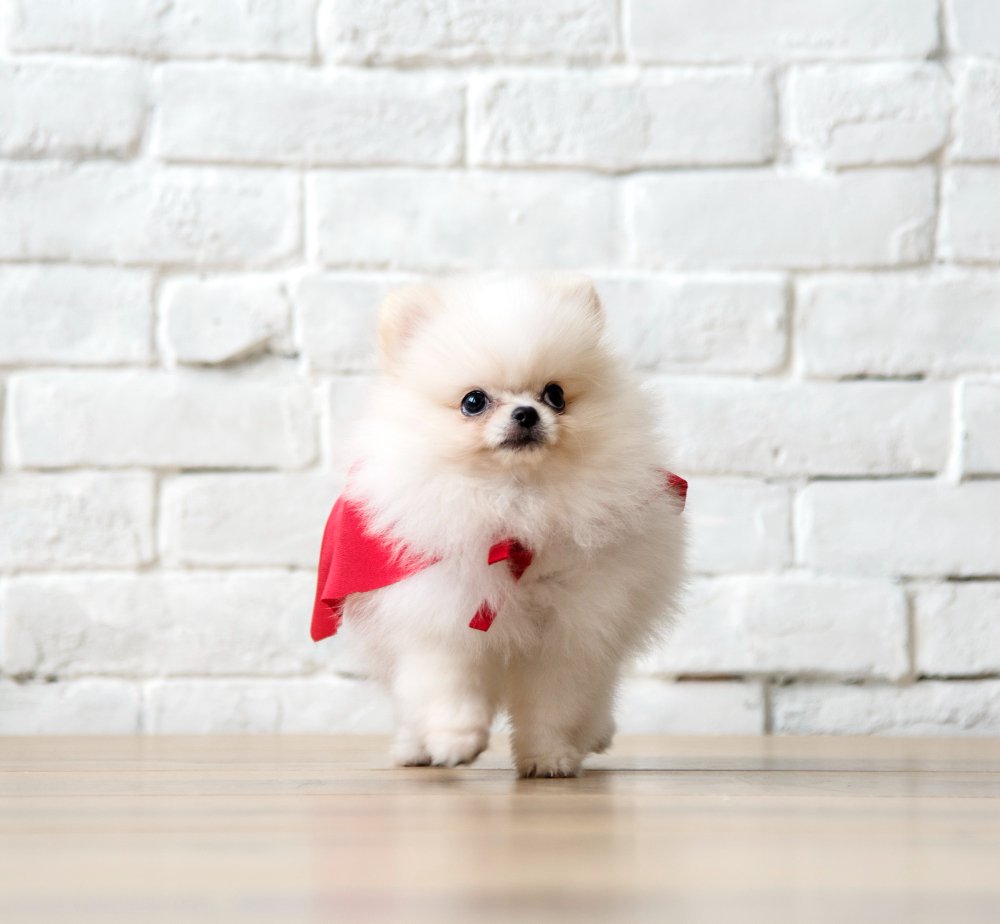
[475, 402]
[553, 396]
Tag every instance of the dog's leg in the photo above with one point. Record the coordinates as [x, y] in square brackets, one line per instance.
[445, 702]
[559, 712]
[597, 731]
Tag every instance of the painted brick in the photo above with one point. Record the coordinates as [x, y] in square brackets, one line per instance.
[70, 109]
[317, 705]
[289, 115]
[412, 31]
[246, 519]
[174, 420]
[853, 115]
[185, 28]
[958, 628]
[75, 520]
[701, 324]
[207, 623]
[136, 214]
[901, 527]
[619, 121]
[806, 428]
[974, 26]
[977, 112]
[737, 524]
[85, 707]
[208, 321]
[788, 625]
[755, 219]
[652, 707]
[436, 221]
[927, 708]
[726, 30]
[903, 324]
[336, 319]
[74, 315]
[970, 215]
[981, 402]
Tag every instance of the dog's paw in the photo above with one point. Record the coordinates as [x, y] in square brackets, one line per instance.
[451, 747]
[604, 738]
[556, 765]
[407, 751]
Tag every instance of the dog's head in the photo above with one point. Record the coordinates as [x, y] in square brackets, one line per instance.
[498, 371]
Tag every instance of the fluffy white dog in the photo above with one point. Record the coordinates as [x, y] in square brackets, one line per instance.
[532, 542]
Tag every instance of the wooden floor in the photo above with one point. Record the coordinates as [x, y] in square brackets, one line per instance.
[146, 830]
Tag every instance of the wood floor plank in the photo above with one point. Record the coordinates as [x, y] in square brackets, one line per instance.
[317, 828]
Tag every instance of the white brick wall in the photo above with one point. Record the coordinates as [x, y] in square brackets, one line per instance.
[182, 28]
[851, 115]
[209, 321]
[382, 219]
[970, 215]
[180, 419]
[269, 114]
[789, 625]
[474, 31]
[753, 219]
[977, 112]
[706, 31]
[619, 121]
[71, 109]
[75, 315]
[793, 213]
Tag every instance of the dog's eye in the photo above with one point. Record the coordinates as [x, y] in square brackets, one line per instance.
[475, 402]
[553, 396]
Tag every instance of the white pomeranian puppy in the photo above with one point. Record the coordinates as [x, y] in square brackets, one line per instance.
[508, 538]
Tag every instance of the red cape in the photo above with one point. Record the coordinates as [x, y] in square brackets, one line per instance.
[354, 561]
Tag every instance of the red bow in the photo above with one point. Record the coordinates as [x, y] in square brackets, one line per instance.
[677, 485]
[518, 558]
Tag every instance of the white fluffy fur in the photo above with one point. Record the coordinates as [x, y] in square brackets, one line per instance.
[608, 541]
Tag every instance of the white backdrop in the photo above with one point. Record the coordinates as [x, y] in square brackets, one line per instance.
[793, 212]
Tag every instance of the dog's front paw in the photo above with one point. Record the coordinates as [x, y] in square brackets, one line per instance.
[604, 738]
[409, 751]
[451, 747]
[558, 764]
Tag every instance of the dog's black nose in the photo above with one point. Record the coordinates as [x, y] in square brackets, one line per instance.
[526, 416]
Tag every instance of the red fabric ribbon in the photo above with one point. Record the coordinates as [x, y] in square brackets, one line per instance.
[677, 485]
[518, 558]
[354, 561]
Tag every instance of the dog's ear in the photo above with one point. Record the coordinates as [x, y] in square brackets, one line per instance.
[402, 312]
[579, 288]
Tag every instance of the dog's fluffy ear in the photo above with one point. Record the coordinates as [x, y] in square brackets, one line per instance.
[402, 312]
[579, 288]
